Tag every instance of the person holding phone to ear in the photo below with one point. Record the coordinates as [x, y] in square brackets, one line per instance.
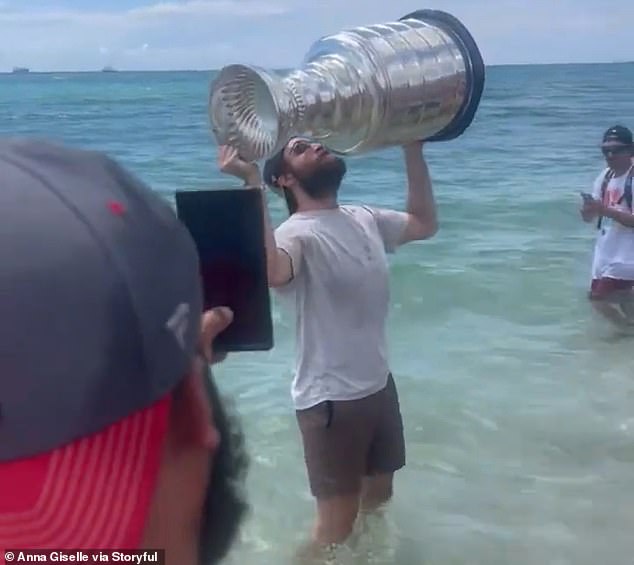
[610, 205]
[330, 261]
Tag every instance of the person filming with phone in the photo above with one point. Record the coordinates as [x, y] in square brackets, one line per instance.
[113, 433]
[610, 206]
[330, 260]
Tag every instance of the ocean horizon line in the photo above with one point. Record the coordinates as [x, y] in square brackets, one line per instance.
[111, 69]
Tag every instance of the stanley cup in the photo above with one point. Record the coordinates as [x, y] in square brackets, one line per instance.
[370, 87]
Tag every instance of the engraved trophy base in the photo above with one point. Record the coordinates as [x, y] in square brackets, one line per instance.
[476, 71]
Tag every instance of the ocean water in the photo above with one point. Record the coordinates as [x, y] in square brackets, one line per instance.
[518, 401]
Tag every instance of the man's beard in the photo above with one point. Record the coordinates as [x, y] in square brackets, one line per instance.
[225, 502]
[325, 180]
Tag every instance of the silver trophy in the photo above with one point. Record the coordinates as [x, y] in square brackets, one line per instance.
[366, 88]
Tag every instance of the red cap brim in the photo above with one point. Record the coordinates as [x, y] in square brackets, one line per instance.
[92, 494]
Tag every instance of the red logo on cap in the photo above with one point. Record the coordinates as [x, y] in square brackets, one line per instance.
[116, 207]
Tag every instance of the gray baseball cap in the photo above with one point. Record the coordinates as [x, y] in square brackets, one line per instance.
[100, 298]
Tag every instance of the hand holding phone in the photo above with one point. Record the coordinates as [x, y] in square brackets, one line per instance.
[587, 197]
[228, 229]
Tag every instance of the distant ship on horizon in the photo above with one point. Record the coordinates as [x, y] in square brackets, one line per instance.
[20, 70]
[108, 69]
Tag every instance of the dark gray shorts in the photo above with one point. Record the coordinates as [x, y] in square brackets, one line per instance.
[347, 440]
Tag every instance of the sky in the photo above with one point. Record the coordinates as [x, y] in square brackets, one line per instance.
[85, 35]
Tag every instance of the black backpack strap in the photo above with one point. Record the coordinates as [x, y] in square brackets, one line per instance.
[604, 185]
[627, 191]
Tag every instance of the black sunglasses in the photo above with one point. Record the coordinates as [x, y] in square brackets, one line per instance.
[299, 147]
[616, 150]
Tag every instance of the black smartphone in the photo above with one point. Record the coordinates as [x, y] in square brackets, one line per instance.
[228, 229]
[587, 197]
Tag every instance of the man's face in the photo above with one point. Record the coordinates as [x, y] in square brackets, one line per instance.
[617, 155]
[305, 156]
[317, 171]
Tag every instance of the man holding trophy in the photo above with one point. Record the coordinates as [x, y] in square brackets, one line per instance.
[402, 83]
[331, 261]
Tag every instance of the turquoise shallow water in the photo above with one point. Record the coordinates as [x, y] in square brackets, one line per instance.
[518, 402]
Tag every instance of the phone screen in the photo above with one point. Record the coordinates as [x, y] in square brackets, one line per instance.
[227, 227]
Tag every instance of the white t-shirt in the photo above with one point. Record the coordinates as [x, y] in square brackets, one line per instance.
[614, 248]
[340, 294]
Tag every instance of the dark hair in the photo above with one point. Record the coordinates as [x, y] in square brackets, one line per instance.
[274, 169]
[291, 201]
[225, 504]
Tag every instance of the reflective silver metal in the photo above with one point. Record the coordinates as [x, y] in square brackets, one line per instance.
[369, 87]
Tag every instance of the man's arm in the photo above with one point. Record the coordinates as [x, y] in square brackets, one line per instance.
[586, 215]
[281, 264]
[590, 209]
[624, 218]
[421, 222]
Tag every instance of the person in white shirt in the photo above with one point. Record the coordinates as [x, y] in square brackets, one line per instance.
[330, 262]
[610, 205]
